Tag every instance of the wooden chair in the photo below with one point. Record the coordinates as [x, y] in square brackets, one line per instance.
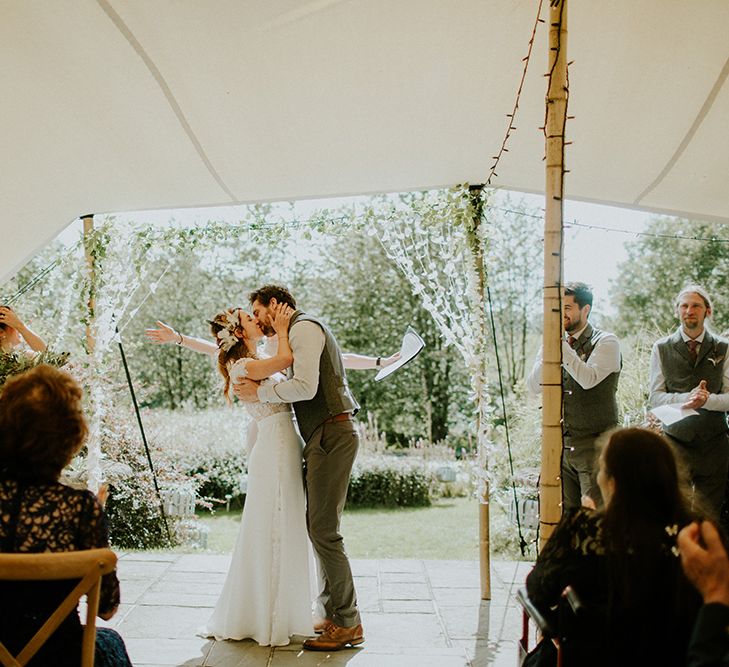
[88, 566]
[531, 613]
[571, 635]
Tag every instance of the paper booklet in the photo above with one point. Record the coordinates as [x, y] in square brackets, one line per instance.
[672, 413]
[412, 343]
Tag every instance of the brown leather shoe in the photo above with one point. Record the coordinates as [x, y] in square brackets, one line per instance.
[322, 625]
[335, 638]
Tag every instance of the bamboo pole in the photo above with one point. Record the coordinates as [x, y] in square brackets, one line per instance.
[95, 484]
[477, 256]
[550, 484]
[88, 221]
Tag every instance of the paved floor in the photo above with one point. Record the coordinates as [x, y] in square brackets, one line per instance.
[415, 614]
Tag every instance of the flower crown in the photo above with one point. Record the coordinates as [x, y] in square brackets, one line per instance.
[229, 321]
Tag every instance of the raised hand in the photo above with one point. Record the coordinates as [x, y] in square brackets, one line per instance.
[280, 318]
[705, 561]
[10, 319]
[162, 335]
[697, 397]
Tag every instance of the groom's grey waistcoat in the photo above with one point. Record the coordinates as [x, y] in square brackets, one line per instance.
[588, 412]
[682, 376]
[332, 393]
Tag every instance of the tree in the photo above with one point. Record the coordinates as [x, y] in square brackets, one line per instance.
[513, 265]
[673, 252]
[199, 282]
[368, 304]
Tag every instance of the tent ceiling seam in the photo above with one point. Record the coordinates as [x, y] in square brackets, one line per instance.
[166, 91]
[700, 117]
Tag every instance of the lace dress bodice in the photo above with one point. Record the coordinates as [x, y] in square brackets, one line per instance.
[39, 517]
[257, 411]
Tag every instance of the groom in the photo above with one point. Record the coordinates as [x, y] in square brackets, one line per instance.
[324, 408]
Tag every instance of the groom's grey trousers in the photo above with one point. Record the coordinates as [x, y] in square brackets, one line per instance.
[329, 455]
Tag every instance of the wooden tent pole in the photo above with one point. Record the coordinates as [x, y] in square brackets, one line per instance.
[475, 193]
[88, 221]
[550, 486]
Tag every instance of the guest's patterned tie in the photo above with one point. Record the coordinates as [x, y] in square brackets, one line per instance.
[572, 342]
[693, 352]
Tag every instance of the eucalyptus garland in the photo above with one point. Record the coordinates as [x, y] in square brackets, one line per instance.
[431, 236]
[15, 363]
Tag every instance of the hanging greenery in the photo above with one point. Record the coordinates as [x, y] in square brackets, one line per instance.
[436, 238]
[19, 362]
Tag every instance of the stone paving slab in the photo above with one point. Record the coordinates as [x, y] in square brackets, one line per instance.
[415, 613]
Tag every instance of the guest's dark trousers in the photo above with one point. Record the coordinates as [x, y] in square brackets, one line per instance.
[579, 474]
[707, 462]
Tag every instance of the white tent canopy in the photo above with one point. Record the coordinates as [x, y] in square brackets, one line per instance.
[121, 105]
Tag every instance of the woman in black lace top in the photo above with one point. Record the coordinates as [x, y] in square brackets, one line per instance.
[41, 428]
[623, 561]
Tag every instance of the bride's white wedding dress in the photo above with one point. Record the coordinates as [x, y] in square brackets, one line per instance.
[266, 595]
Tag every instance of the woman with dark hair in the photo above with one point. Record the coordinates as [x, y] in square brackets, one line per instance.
[41, 428]
[623, 561]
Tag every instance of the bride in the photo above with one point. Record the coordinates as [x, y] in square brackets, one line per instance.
[266, 595]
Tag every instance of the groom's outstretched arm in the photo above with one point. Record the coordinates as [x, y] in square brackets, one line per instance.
[307, 344]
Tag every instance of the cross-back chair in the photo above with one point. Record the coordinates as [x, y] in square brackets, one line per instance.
[88, 566]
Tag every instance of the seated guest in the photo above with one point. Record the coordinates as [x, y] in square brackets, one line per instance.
[13, 331]
[705, 563]
[623, 561]
[41, 428]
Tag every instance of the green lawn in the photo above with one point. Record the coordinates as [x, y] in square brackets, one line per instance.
[446, 530]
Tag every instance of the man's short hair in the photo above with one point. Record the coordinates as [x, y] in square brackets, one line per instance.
[696, 289]
[580, 292]
[264, 295]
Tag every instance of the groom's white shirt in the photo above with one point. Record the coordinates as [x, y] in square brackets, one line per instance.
[307, 344]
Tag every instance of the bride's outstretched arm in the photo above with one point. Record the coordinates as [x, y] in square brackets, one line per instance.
[165, 334]
[258, 369]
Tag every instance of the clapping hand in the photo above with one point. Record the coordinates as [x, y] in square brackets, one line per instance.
[705, 561]
[697, 397]
[162, 335]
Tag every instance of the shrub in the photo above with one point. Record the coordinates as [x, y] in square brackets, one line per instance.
[134, 514]
[135, 518]
[388, 483]
[218, 477]
[207, 446]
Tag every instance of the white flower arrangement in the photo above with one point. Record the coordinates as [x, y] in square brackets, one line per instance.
[226, 339]
[233, 319]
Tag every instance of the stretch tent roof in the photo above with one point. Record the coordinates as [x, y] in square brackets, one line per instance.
[120, 105]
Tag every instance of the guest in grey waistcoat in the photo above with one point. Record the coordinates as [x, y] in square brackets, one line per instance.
[317, 389]
[689, 368]
[591, 365]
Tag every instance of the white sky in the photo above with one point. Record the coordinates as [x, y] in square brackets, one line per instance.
[590, 255]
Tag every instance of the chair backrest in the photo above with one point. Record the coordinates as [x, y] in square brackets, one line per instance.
[88, 566]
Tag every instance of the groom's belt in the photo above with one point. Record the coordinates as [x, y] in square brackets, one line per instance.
[342, 417]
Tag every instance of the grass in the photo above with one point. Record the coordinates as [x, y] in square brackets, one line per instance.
[448, 530]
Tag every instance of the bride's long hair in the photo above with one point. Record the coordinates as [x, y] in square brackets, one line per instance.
[231, 341]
